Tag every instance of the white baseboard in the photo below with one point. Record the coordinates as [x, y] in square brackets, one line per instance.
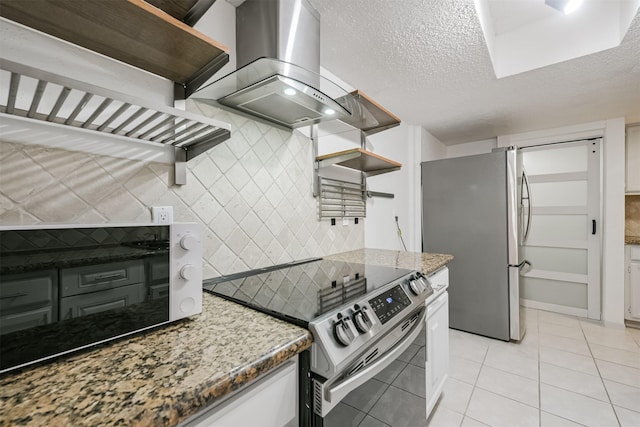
[556, 308]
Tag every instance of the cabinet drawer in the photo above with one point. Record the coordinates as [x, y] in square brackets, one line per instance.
[92, 278]
[159, 291]
[440, 278]
[19, 292]
[25, 319]
[158, 269]
[96, 302]
[269, 402]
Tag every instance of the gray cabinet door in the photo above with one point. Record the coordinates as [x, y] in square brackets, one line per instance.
[26, 319]
[98, 277]
[96, 302]
[28, 300]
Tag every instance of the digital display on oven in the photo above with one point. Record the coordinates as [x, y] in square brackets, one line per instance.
[390, 303]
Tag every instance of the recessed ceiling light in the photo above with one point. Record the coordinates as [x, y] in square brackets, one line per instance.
[289, 91]
[329, 111]
[564, 6]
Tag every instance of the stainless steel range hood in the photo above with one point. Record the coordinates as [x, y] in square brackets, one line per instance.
[278, 57]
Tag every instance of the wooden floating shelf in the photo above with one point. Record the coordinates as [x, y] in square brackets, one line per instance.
[187, 11]
[366, 114]
[131, 31]
[359, 159]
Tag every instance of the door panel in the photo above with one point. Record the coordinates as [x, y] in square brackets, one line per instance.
[554, 159]
[565, 199]
[559, 193]
[564, 260]
[555, 292]
[558, 227]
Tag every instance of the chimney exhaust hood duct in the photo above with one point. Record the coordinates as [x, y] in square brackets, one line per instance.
[278, 58]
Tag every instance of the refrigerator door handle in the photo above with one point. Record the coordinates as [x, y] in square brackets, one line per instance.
[525, 181]
[526, 264]
[525, 267]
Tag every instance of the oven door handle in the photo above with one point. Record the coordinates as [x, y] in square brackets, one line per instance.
[340, 390]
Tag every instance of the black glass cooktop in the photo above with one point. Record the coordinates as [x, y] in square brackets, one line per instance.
[301, 292]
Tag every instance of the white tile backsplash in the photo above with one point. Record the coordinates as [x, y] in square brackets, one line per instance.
[253, 193]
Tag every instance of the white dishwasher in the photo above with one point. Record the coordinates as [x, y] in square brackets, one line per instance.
[437, 331]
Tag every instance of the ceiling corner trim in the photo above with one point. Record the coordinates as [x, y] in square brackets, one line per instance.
[486, 23]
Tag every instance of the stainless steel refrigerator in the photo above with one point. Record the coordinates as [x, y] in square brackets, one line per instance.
[477, 208]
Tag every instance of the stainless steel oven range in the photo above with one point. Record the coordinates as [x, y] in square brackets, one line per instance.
[362, 317]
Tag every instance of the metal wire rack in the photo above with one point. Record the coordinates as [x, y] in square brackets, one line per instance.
[34, 94]
[341, 199]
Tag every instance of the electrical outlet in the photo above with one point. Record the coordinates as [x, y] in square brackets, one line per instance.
[162, 214]
[345, 221]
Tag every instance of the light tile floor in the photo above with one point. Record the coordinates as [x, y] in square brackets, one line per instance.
[566, 372]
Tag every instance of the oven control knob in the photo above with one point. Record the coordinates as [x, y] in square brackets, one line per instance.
[416, 286]
[342, 332]
[187, 271]
[426, 281]
[188, 242]
[362, 321]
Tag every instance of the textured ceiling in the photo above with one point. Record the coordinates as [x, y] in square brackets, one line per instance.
[426, 61]
[509, 15]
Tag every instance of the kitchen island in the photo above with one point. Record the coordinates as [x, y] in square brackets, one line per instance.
[164, 376]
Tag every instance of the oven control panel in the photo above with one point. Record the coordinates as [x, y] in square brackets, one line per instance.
[389, 303]
[343, 336]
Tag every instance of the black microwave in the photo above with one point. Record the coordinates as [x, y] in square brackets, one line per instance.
[68, 287]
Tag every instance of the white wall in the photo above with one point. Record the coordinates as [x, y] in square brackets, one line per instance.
[252, 193]
[409, 145]
[613, 248]
[470, 148]
[35, 49]
[430, 149]
[219, 23]
[380, 230]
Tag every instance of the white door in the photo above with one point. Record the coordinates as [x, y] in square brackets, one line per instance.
[564, 241]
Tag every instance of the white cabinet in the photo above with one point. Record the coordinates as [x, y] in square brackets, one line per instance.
[633, 159]
[437, 330]
[270, 401]
[632, 283]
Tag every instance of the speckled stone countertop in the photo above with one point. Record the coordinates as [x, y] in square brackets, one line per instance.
[159, 378]
[427, 263]
[632, 240]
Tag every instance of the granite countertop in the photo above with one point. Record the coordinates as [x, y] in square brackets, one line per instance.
[427, 263]
[158, 378]
[632, 240]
